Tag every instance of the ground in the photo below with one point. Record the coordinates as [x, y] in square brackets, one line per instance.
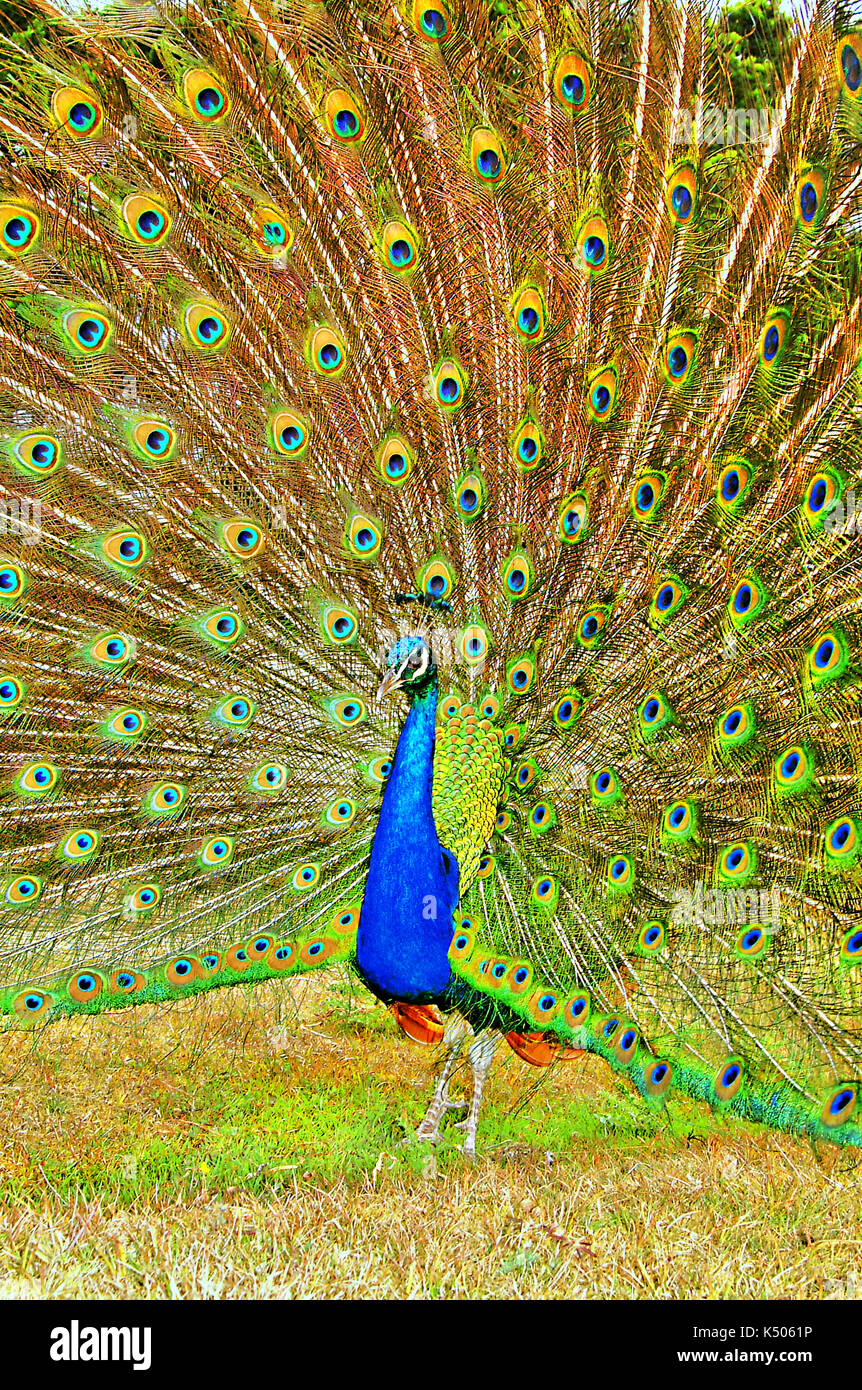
[248, 1146]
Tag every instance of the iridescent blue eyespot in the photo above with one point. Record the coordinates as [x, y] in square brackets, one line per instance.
[346, 122]
[851, 67]
[742, 600]
[839, 1101]
[594, 250]
[682, 201]
[678, 361]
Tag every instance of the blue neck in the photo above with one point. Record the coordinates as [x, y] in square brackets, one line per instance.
[405, 927]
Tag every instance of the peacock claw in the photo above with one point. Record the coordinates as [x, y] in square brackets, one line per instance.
[429, 1129]
[468, 1148]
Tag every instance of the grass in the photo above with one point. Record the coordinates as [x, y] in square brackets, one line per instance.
[248, 1146]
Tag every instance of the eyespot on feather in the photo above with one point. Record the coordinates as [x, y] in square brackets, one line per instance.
[363, 536]
[593, 245]
[395, 461]
[487, 157]
[840, 1104]
[528, 446]
[221, 627]
[22, 891]
[153, 439]
[517, 576]
[734, 481]
[143, 898]
[647, 496]
[680, 193]
[572, 86]
[242, 537]
[774, 336]
[529, 314]
[474, 644]
[470, 497]
[182, 971]
[283, 956]
[432, 21]
[236, 712]
[289, 434]
[273, 235]
[848, 62]
[37, 779]
[77, 112]
[12, 692]
[305, 877]
[19, 230]
[326, 352]
[14, 582]
[36, 454]
[165, 799]
[810, 197]
[32, 1006]
[678, 358]
[85, 986]
[125, 549]
[80, 846]
[601, 394]
[216, 852]
[111, 650]
[828, 657]
[399, 247]
[88, 331]
[318, 950]
[343, 117]
[270, 779]
[146, 220]
[448, 385]
[205, 96]
[125, 981]
[206, 327]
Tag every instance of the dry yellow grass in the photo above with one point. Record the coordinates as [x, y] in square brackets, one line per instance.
[248, 1147]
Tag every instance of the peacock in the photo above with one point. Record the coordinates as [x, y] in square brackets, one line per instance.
[428, 434]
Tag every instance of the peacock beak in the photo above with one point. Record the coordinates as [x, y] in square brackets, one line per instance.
[390, 682]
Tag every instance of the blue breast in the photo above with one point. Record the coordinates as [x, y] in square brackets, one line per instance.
[405, 927]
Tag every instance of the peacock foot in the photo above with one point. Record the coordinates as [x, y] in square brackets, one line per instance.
[429, 1129]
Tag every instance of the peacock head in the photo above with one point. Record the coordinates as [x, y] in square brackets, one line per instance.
[409, 667]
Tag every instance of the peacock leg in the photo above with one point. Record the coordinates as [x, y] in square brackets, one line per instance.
[481, 1054]
[453, 1040]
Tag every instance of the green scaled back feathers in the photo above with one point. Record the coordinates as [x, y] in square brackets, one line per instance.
[310, 306]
